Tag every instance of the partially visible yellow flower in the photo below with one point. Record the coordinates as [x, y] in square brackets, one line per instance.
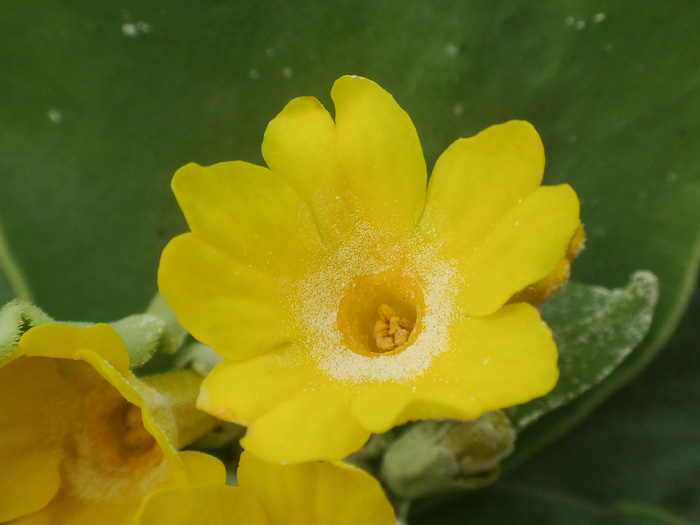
[306, 494]
[346, 295]
[82, 440]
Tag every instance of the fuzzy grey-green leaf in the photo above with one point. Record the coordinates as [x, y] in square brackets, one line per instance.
[595, 330]
[142, 335]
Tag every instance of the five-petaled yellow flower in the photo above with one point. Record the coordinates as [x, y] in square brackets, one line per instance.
[349, 296]
[83, 441]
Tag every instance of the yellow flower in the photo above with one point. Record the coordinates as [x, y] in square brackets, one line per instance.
[306, 494]
[83, 441]
[346, 296]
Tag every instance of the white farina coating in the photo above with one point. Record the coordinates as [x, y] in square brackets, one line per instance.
[316, 299]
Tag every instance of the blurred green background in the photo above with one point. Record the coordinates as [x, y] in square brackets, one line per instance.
[101, 101]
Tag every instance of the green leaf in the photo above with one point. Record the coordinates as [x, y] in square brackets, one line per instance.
[103, 101]
[595, 330]
[526, 506]
[643, 444]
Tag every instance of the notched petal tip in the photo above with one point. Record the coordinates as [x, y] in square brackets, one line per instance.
[355, 82]
[300, 105]
[514, 137]
[300, 117]
[184, 178]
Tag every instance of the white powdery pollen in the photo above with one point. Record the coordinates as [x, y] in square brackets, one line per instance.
[317, 298]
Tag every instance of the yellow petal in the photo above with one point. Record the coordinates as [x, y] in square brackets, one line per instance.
[241, 392]
[63, 341]
[29, 473]
[311, 426]
[248, 212]
[201, 505]
[203, 469]
[494, 362]
[18, 383]
[526, 245]
[29, 449]
[300, 146]
[476, 180]
[380, 153]
[67, 509]
[384, 406]
[232, 307]
[370, 161]
[501, 360]
[315, 493]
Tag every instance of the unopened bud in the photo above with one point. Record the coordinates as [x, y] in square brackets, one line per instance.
[440, 456]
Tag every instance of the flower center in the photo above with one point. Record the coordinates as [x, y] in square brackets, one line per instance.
[344, 306]
[135, 436]
[106, 452]
[380, 314]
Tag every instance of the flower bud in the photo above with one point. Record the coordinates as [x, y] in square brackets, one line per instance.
[439, 456]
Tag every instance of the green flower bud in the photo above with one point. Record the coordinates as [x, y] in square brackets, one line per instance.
[440, 456]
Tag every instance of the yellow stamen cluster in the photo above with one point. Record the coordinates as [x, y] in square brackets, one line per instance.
[390, 330]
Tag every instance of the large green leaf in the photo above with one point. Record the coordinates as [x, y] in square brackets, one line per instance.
[102, 101]
[538, 507]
